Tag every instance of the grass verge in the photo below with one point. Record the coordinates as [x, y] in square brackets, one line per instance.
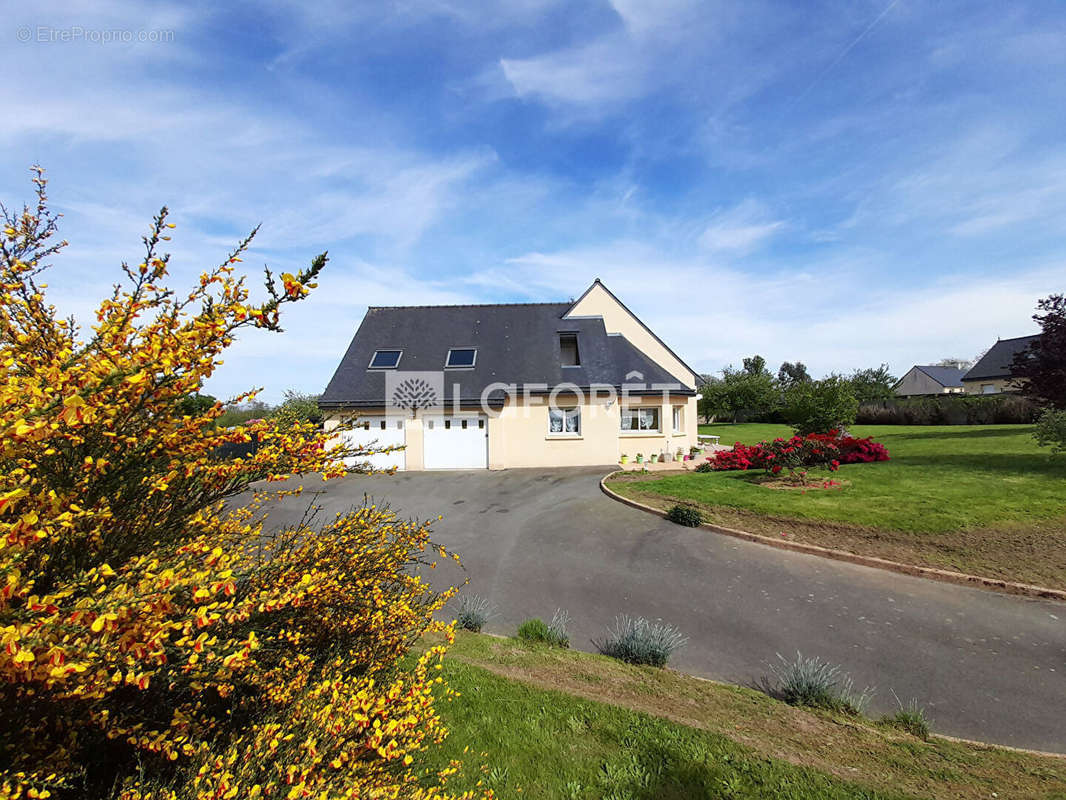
[551, 723]
[978, 499]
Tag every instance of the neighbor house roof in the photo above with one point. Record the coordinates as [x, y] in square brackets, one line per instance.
[945, 376]
[996, 362]
[516, 343]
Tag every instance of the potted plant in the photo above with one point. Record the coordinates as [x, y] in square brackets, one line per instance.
[625, 458]
[652, 458]
[640, 458]
[679, 455]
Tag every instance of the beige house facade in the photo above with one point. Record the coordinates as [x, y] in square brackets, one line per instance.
[992, 373]
[512, 385]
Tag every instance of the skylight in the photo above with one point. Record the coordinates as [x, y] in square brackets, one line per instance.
[461, 357]
[385, 359]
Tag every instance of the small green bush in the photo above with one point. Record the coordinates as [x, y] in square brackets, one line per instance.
[1051, 430]
[705, 466]
[685, 515]
[635, 640]
[910, 718]
[474, 611]
[817, 684]
[553, 634]
[533, 630]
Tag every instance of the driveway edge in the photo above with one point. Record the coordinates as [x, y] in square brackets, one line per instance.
[931, 573]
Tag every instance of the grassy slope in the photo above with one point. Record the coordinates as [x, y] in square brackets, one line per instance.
[561, 724]
[983, 499]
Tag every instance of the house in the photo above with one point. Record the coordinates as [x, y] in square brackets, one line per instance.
[991, 374]
[512, 385]
[922, 380]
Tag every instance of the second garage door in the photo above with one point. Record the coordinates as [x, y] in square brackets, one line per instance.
[379, 432]
[456, 442]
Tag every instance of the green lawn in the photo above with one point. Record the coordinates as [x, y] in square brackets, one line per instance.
[981, 499]
[549, 723]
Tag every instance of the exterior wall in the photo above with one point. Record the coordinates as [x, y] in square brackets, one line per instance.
[1000, 384]
[599, 303]
[916, 383]
[519, 436]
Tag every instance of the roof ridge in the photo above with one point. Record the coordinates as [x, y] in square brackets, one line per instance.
[1015, 338]
[475, 305]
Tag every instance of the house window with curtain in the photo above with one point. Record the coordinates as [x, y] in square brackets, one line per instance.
[679, 419]
[564, 421]
[638, 420]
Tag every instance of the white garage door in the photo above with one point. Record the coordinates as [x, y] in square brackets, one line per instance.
[382, 432]
[456, 442]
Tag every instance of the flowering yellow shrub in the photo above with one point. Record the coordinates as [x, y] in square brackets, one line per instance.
[156, 642]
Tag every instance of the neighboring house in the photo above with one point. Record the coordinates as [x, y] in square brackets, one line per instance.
[991, 375]
[512, 385]
[923, 380]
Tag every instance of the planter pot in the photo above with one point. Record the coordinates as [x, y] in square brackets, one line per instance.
[666, 457]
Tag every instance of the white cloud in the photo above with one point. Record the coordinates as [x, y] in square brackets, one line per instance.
[741, 229]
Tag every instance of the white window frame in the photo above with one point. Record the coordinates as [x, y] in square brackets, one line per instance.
[678, 416]
[640, 430]
[448, 358]
[373, 358]
[565, 415]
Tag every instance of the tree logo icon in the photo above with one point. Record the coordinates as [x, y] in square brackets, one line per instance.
[412, 391]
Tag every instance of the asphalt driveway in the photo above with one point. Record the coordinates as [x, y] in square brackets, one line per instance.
[986, 666]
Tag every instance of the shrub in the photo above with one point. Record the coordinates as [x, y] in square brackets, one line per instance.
[533, 630]
[705, 466]
[827, 450]
[910, 718]
[635, 640]
[1001, 409]
[821, 406]
[159, 643]
[1051, 430]
[817, 684]
[553, 634]
[474, 611]
[685, 515]
[558, 636]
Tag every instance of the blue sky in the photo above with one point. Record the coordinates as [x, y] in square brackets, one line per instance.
[842, 183]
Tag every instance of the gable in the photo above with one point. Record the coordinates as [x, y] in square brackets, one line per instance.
[996, 362]
[599, 302]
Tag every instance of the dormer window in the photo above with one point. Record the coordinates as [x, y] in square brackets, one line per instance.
[568, 352]
[385, 359]
[461, 357]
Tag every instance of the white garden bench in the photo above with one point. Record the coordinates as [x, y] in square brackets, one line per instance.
[708, 439]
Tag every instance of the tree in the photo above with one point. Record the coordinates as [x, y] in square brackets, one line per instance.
[750, 390]
[712, 401]
[789, 374]
[1039, 372]
[299, 407]
[872, 385]
[958, 363]
[194, 404]
[821, 406]
[157, 642]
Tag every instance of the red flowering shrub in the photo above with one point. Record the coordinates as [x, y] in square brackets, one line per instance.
[828, 450]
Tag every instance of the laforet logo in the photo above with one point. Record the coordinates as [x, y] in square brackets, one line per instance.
[412, 391]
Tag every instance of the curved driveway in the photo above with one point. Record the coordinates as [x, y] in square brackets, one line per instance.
[986, 666]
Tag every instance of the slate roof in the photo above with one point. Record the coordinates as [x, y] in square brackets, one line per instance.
[516, 343]
[945, 376]
[996, 362]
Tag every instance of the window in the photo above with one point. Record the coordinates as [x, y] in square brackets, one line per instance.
[640, 419]
[459, 357]
[679, 418]
[568, 354]
[988, 388]
[385, 359]
[564, 421]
